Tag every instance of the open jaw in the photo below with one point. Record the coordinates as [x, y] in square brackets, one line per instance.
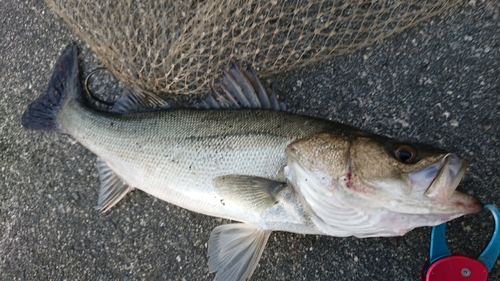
[438, 183]
[434, 200]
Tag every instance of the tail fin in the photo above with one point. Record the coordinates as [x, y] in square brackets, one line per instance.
[64, 84]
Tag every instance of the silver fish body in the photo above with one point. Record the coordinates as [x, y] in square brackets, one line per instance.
[269, 169]
[176, 154]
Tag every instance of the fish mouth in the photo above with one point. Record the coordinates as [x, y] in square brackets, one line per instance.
[448, 176]
[440, 180]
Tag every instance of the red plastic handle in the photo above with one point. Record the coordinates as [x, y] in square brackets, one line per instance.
[457, 268]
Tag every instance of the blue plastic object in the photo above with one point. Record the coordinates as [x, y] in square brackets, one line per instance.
[490, 253]
[443, 265]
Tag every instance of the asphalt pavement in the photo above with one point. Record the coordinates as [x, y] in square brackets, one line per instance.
[438, 83]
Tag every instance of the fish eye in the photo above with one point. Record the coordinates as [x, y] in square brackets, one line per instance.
[405, 153]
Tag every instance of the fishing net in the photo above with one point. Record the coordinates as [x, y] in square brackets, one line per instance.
[180, 46]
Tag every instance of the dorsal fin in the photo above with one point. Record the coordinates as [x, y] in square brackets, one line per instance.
[241, 89]
[263, 96]
[132, 101]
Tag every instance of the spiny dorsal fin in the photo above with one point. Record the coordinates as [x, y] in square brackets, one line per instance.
[248, 191]
[132, 101]
[242, 89]
[234, 251]
[263, 96]
[113, 189]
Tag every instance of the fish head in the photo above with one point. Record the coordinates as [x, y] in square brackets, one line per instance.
[387, 187]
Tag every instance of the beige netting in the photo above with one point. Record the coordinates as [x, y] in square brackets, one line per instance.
[181, 46]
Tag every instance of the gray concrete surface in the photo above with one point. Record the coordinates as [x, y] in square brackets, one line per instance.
[438, 83]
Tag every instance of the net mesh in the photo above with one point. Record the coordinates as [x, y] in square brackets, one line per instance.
[175, 46]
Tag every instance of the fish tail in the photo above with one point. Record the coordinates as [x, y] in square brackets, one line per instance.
[64, 85]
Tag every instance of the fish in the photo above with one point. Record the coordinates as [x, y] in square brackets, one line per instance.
[240, 155]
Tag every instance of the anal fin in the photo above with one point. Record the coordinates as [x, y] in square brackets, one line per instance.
[113, 189]
[234, 250]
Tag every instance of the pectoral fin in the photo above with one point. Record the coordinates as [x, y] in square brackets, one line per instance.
[248, 191]
[113, 189]
[234, 250]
